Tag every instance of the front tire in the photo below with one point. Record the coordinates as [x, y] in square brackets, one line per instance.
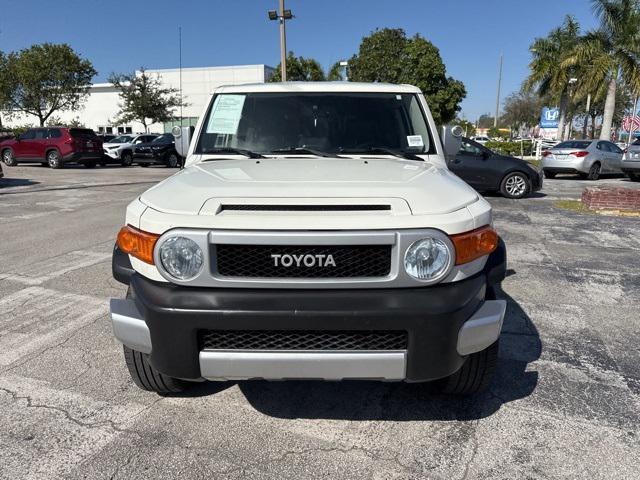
[634, 177]
[148, 378]
[172, 160]
[474, 376]
[515, 185]
[127, 159]
[53, 159]
[8, 158]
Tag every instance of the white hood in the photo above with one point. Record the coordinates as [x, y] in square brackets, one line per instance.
[426, 189]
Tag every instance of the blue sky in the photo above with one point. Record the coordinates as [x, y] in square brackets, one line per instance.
[122, 36]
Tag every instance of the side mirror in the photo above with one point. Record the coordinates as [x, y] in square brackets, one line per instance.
[451, 140]
[182, 138]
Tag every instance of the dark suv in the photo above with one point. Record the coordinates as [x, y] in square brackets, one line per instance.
[53, 146]
[160, 150]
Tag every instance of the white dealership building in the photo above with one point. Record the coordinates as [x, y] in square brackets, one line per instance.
[100, 110]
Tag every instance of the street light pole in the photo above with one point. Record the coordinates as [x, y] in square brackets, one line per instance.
[283, 44]
[282, 16]
[495, 120]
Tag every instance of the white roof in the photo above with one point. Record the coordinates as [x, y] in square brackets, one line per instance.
[318, 87]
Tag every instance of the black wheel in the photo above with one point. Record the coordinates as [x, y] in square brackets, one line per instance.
[173, 161]
[8, 158]
[144, 375]
[634, 177]
[147, 377]
[53, 159]
[548, 174]
[515, 185]
[594, 171]
[90, 164]
[127, 159]
[143, 164]
[474, 376]
[103, 164]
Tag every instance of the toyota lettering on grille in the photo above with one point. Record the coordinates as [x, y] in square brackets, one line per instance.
[308, 260]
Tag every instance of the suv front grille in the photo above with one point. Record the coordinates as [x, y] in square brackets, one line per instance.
[257, 261]
[302, 340]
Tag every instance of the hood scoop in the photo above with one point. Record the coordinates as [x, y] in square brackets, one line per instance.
[304, 206]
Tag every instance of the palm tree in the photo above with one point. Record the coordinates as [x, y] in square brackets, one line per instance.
[548, 76]
[610, 55]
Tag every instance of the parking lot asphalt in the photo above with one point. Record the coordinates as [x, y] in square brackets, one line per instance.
[565, 402]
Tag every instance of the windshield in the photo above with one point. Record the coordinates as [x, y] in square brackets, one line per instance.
[326, 122]
[121, 139]
[574, 144]
[165, 138]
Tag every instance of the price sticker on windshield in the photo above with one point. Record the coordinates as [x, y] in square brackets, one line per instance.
[415, 141]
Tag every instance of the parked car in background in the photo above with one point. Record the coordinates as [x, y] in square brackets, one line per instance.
[120, 149]
[630, 164]
[53, 146]
[161, 150]
[481, 139]
[486, 170]
[588, 158]
[106, 137]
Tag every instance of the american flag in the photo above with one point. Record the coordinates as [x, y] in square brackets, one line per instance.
[631, 123]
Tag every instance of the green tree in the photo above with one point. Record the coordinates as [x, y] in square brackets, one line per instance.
[336, 72]
[46, 78]
[145, 99]
[387, 55]
[5, 85]
[521, 110]
[485, 121]
[610, 55]
[299, 69]
[549, 74]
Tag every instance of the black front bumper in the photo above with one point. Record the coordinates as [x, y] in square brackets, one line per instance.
[431, 316]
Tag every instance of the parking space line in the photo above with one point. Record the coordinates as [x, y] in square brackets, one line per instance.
[43, 271]
[35, 317]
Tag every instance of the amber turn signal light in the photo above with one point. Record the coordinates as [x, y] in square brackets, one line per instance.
[137, 243]
[474, 244]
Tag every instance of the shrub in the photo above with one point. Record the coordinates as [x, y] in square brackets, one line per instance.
[510, 148]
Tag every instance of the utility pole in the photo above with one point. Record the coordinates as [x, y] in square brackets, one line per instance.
[282, 16]
[495, 120]
[631, 122]
[180, 75]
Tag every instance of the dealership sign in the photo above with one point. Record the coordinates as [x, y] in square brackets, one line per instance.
[549, 117]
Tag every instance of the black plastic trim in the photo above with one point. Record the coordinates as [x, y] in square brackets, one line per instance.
[121, 266]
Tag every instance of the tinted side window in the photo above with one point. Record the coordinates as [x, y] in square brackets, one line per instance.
[28, 135]
[41, 134]
[467, 147]
[614, 148]
[55, 133]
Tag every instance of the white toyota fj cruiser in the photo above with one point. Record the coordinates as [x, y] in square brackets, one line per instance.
[314, 233]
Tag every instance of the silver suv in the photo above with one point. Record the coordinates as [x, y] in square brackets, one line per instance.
[120, 148]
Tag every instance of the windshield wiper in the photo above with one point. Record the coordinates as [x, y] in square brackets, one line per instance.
[383, 150]
[310, 151]
[237, 151]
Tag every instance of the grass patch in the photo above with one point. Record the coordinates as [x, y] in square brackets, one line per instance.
[578, 207]
[573, 205]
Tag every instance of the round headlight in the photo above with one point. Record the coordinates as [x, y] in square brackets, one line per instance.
[427, 259]
[181, 257]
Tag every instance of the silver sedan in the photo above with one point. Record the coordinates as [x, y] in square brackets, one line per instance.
[631, 161]
[588, 158]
